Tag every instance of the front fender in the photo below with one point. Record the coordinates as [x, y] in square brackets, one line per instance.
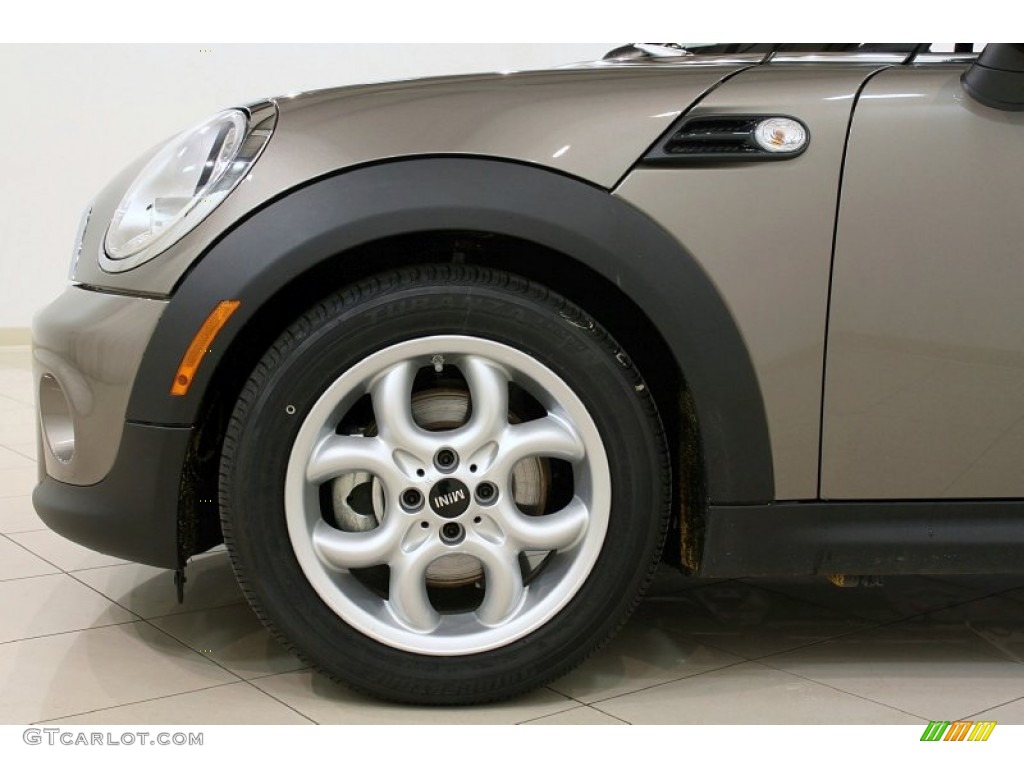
[326, 219]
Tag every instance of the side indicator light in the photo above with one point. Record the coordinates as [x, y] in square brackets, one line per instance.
[200, 346]
[781, 135]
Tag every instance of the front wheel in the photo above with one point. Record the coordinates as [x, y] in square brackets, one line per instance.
[444, 485]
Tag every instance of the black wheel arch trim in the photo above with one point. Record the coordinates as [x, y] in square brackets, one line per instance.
[319, 221]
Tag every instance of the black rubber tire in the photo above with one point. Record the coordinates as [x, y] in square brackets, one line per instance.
[377, 313]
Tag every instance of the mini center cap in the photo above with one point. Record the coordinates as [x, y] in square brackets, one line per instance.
[449, 498]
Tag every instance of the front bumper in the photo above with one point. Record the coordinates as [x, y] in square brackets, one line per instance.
[132, 513]
[86, 349]
[105, 483]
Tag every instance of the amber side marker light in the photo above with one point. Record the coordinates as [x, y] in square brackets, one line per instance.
[201, 345]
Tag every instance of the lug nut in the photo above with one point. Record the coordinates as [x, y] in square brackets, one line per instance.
[486, 493]
[452, 533]
[446, 460]
[411, 500]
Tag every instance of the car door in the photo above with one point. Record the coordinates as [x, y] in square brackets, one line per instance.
[924, 385]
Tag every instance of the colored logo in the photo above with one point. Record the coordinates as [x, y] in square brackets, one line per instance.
[959, 730]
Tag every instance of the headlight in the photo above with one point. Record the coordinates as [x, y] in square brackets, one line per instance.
[181, 185]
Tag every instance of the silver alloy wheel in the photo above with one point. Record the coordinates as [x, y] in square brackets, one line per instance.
[403, 456]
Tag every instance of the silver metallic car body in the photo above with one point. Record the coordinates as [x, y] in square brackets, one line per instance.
[763, 233]
[924, 395]
[587, 122]
[590, 123]
[92, 343]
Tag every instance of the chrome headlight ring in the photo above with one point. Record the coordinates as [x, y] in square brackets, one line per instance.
[183, 183]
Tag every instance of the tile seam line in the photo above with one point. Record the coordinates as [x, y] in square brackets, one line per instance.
[229, 671]
[36, 576]
[19, 544]
[207, 658]
[105, 597]
[172, 637]
[68, 632]
[580, 705]
[814, 682]
[187, 611]
[284, 703]
[27, 530]
[609, 714]
[279, 701]
[567, 696]
[848, 693]
[133, 703]
[989, 709]
[670, 682]
[193, 651]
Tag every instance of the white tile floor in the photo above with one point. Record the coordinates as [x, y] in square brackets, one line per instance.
[85, 638]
